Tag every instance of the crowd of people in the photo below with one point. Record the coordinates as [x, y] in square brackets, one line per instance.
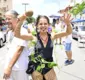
[17, 61]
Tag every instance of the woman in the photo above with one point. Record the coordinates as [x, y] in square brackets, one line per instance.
[16, 58]
[44, 43]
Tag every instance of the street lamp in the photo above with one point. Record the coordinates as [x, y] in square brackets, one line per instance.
[25, 4]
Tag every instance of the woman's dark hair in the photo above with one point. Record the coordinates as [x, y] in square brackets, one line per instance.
[40, 16]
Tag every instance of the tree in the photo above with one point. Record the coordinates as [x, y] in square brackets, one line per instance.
[78, 8]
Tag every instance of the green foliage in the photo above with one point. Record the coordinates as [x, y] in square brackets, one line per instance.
[51, 64]
[34, 33]
[54, 30]
[41, 62]
[31, 43]
[30, 19]
[78, 8]
[32, 58]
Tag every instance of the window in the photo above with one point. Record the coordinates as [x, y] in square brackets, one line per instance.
[4, 9]
[5, 0]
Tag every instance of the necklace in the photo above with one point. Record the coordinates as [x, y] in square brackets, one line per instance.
[44, 40]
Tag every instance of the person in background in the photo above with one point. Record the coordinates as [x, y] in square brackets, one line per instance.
[1, 20]
[44, 43]
[17, 56]
[58, 28]
[68, 50]
[53, 22]
[67, 41]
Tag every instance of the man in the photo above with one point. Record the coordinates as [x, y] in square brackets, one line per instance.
[68, 46]
[17, 56]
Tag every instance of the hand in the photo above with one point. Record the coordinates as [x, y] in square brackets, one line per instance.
[26, 14]
[29, 13]
[66, 18]
[7, 73]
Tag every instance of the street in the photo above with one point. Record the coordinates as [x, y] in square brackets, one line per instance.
[76, 71]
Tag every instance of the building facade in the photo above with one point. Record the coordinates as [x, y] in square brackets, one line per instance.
[5, 5]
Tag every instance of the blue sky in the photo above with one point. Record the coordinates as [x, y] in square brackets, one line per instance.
[45, 7]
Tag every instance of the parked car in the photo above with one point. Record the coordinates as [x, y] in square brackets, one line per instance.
[1, 39]
[4, 30]
[79, 33]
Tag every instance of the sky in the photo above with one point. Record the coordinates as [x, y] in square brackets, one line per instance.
[40, 7]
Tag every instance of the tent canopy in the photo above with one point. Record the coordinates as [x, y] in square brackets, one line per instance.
[54, 16]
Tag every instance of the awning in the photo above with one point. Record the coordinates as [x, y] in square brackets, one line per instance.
[54, 16]
[78, 20]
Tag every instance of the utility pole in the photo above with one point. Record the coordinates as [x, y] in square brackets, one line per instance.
[25, 4]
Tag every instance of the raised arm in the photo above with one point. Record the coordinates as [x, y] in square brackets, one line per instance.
[21, 18]
[67, 20]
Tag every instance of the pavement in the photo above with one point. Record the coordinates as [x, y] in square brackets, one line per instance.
[75, 71]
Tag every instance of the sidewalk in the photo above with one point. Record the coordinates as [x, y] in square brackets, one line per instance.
[75, 71]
